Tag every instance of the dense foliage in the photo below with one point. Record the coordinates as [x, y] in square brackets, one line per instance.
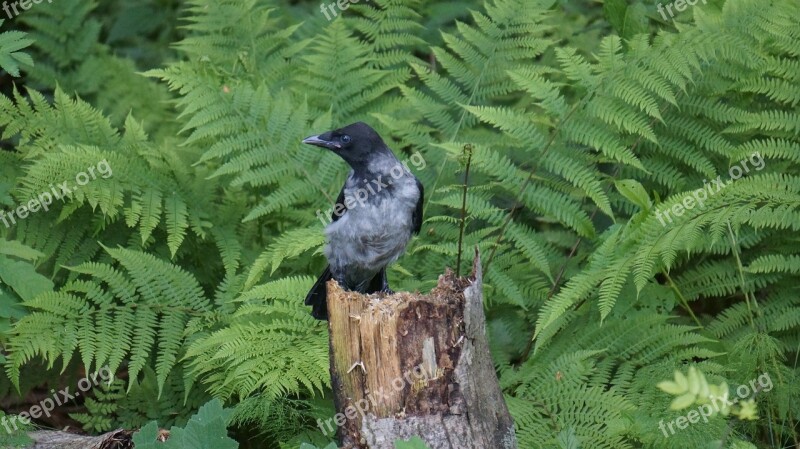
[181, 263]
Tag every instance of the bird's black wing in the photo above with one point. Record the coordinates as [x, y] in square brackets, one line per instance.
[317, 296]
[339, 200]
[416, 217]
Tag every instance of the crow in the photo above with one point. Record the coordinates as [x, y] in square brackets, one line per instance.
[374, 217]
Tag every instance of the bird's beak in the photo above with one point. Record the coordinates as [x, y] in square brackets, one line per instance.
[319, 141]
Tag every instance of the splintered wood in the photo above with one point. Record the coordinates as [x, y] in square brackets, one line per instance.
[411, 364]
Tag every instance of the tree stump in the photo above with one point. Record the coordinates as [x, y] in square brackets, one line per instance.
[411, 364]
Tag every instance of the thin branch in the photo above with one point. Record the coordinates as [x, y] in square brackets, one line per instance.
[462, 225]
[683, 301]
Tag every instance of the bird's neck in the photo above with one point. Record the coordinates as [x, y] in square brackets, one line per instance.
[378, 164]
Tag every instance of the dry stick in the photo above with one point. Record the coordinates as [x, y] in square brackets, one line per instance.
[514, 209]
[572, 251]
[681, 298]
[735, 251]
[458, 125]
[468, 152]
[529, 346]
[524, 187]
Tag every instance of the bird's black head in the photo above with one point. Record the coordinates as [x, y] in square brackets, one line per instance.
[357, 144]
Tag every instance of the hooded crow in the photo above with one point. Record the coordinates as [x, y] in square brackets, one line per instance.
[375, 215]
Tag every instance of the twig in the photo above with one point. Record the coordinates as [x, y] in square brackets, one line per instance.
[683, 301]
[462, 225]
[735, 251]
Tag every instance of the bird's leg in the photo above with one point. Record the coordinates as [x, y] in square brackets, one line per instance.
[385, 283]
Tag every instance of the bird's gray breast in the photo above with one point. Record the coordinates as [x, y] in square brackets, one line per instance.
[375, 229]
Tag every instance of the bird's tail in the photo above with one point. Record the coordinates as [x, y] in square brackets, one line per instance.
[317, 297]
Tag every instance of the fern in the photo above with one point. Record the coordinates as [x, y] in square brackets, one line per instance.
[234, 362]
[126, 319]
[11, 42]
[185, 270]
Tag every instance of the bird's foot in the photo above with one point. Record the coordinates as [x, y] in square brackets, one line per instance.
[385, 283]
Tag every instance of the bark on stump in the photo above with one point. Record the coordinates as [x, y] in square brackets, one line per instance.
[412, 364]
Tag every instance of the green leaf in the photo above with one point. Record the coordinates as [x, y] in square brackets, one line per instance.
[683, 401]
[145, 438]
[671, 387]
[694, 381]
[23, 278]
[10, 307]
[568, 440]
[10, 56]
[205, 430]
[17, 249]
[627, 20]
[634, 192]
[681, 380]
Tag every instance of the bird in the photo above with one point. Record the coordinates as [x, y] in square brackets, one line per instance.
[374, 217]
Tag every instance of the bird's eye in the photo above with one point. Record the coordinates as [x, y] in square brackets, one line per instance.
[345, 139]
